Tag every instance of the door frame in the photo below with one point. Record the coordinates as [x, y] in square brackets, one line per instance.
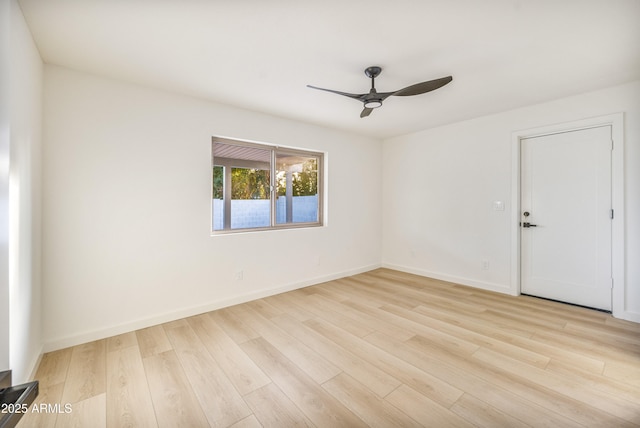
[616, 121]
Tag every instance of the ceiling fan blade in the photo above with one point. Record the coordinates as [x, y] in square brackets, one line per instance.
[421, 88]
[384, 95]
[366, 112]
[355, 96]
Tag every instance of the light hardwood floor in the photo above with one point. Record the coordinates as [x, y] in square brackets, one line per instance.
[384, 349]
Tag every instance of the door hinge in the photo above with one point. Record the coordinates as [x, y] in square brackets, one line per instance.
[611, 214]
[611, 144]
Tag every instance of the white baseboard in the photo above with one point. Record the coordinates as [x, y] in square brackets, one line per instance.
[89, 336]
[630, 316]
[35, 364]
[626, 315]
[505, 289]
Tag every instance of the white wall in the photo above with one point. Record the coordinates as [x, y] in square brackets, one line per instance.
[127, 201]
[5, 142]
[439, 186]
[21, 313]
[126, 196]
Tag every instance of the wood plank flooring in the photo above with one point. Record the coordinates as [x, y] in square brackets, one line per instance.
[380, 349]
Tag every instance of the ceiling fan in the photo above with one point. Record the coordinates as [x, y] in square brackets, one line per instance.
[374, 99]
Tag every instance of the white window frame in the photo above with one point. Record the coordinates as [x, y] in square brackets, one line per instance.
[274, 150]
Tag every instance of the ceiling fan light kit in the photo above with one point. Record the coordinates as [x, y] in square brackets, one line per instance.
[372, 104]
[373, 99]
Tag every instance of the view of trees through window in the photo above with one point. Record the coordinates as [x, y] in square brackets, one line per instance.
[304, 178]
[250, 183]
[246, 183]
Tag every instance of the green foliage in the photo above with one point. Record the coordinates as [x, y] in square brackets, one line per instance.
[305, 183]
[218, 182]
[246, 183]
[249, 183]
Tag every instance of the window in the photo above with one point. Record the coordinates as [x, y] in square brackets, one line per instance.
[258, 186]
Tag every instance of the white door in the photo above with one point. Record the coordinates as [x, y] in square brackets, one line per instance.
[566, 217]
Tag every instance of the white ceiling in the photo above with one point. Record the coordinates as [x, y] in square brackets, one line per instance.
[261, 54]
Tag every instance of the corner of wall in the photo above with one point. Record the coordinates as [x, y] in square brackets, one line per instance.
[24, 193]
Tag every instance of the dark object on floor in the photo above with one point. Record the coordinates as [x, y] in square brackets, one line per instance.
[15, 400]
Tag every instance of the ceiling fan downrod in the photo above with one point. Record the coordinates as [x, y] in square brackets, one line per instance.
[373, 72]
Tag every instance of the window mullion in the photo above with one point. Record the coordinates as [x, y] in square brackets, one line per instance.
[227, 197]
[274, 187]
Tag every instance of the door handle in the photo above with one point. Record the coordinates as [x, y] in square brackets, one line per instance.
[526, 224]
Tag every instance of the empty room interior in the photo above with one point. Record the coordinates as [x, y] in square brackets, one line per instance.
[338, 213]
